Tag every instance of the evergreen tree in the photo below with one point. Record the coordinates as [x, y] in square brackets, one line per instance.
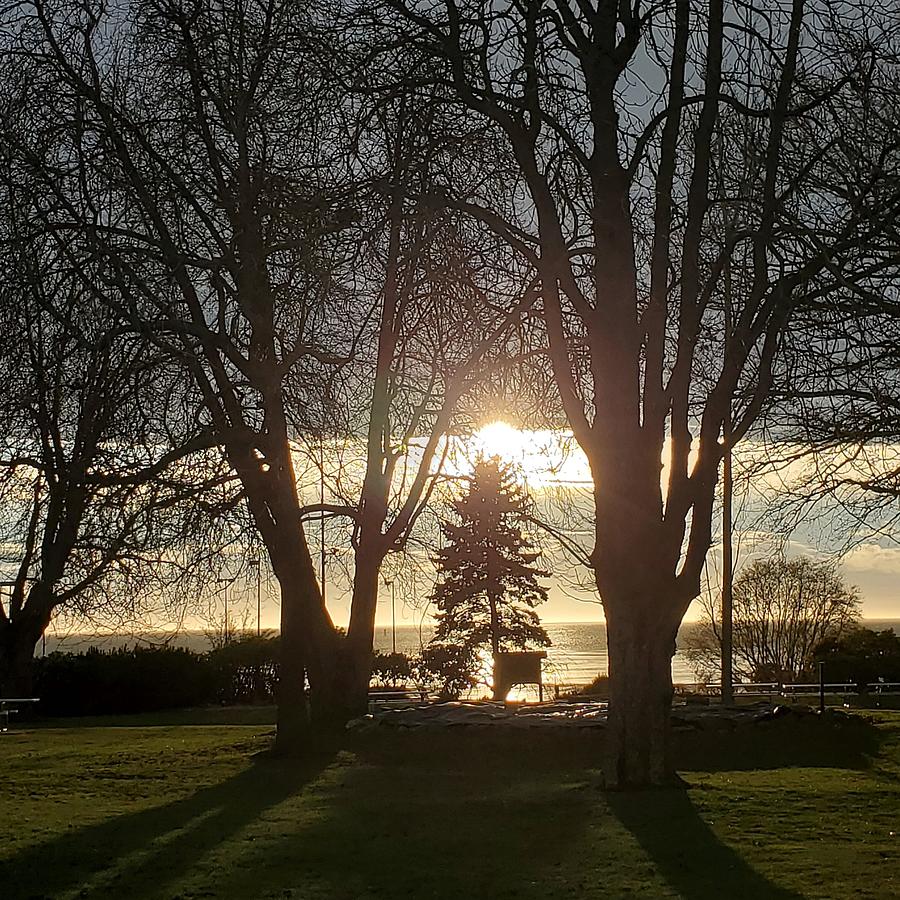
[487, 578]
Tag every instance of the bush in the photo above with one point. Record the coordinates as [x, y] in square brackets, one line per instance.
[391, 669]
[145, 679]
[245, 670]
[598, 688]
[862, 656]
[448, 669]
[125, 680]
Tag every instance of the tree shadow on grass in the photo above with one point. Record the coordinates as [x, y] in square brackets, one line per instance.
[422, 814]
[685, 850]
[133, 853]
[850, 742]
[444, 815]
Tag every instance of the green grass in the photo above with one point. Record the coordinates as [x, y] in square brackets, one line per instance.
[201, 715]
[777, 811]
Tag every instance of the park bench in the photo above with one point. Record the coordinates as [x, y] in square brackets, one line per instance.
[6, 709]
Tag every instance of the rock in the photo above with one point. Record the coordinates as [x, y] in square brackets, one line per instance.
[578, 714]
[363, 723]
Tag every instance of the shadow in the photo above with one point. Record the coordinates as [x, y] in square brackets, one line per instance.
[437, 815]
[243, 714]
[156, 846]
[685, 850]
[845, 742]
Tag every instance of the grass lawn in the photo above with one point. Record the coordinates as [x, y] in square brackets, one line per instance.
[777, 811]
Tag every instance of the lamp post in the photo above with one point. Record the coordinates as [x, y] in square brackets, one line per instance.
[727, 525]
[393, 617]
[322, 514]
[226, 582]
[389, 582]
[254, 563]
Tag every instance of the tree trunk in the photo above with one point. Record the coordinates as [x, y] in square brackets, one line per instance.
[499, 691]
[310, 646]
[361, 633]
[640, 699]
[293, 710]
[311, 654]
[17, 642]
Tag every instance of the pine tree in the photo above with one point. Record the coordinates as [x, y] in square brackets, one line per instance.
[487, 578]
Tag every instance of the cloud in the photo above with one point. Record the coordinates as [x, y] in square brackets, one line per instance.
[873, 558]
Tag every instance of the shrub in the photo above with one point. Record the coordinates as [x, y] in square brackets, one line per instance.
[861, 656]
[599, 687]
[124, 680]
[391, 669]
[245, 670]
[448, 669]
[145, 679]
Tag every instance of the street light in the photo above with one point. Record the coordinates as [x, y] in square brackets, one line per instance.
[226, 582]
[254, 563]
[727, 659]
[391, 583]
[322, 513]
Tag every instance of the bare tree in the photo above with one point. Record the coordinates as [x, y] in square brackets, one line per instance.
[833, 429]
[626, 167]
[224, 197]
[783, 609]
[189, 147]
[94, 515]
[446, 309]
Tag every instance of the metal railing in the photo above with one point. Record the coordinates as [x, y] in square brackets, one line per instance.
[6, 709]
[794, 690]
[387, 699]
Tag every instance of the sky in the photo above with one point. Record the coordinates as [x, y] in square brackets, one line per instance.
[556, 474]
[553, 467]
[875, 570]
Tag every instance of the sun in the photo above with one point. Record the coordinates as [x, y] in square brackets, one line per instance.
[542, 458]
[501, 439]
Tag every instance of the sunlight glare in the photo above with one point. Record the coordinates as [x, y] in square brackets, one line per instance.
[542, 458]
[499, 438]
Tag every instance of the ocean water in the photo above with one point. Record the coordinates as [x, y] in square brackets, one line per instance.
[576, 656]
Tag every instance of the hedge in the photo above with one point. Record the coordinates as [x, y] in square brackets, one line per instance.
[145, 679]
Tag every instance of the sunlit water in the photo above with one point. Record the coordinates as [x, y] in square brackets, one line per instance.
[576, 656]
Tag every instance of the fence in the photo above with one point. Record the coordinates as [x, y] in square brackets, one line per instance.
[794, 690]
